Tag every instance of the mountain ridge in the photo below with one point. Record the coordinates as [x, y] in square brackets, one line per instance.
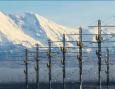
[40, 25]
[29, 28]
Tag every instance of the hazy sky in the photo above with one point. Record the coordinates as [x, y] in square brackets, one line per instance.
[68, 13]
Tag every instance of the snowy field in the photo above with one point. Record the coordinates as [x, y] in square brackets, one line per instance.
[13, 76]
[14, 72]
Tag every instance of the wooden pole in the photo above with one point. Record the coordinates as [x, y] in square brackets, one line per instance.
[26, 68]
[80, 45]
[99, 38]
[107, 63]
[63, 51]
[37, 66]
[50, 63]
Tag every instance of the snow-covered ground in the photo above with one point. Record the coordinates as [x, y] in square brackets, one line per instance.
[14, 72]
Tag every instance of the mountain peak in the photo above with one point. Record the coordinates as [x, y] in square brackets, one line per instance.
[40, 28]
[10, 30]
[30, 27]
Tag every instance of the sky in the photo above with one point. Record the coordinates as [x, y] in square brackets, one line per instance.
[68, 13]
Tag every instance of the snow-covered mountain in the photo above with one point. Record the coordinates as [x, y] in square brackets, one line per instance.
[28, 29]
[41, 29]
[11, 33]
